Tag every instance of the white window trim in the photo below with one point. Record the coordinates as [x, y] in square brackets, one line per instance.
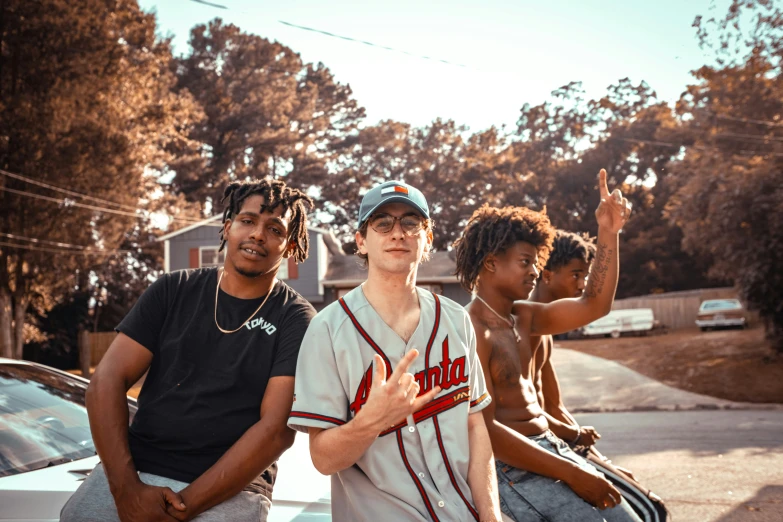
[282, 271]
[200, 255]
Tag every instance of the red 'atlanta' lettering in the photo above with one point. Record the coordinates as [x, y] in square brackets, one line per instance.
[446, 375]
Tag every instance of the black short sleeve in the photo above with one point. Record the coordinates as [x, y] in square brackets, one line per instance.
[291, 334]
[145, 320]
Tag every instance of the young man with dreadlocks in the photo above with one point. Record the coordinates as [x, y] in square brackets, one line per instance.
[564, 276]
[221, 346]
[498, 256]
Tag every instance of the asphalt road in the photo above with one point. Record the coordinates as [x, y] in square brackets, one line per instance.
[708, 466]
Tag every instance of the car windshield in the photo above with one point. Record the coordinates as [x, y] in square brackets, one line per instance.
[721, 305]
[43, 419]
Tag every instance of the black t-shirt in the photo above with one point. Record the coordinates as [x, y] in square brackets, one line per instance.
[204, 388]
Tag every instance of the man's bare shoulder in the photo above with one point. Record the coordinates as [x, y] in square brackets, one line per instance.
[523, 310]
[479, 323]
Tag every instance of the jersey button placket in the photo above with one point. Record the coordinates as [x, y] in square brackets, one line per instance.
[441, 503]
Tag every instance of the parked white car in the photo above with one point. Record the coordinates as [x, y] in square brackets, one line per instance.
[46, 450]
[618, 322]
[721, 313]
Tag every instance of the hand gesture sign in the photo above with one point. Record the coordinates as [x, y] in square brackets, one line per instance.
[614, 210]
[391, 401]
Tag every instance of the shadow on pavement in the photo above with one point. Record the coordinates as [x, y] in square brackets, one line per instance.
[766, 506]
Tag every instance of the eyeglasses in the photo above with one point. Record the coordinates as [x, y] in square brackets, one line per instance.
[384, 223]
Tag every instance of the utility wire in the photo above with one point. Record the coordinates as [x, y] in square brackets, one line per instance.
[69, 203]
[64, 191]
[83, 196]
[748, 120]
[58, 243]
[697, 147]
[341, 37]
[64, 251]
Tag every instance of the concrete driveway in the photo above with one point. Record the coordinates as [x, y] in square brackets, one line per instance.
[710, 459]
[593, 384]
[708, 466]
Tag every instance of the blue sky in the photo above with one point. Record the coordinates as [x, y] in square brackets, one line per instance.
[513, 51]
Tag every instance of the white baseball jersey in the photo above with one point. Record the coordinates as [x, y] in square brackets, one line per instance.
[410, 472]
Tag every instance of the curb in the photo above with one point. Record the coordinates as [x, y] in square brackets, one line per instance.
[677, 407]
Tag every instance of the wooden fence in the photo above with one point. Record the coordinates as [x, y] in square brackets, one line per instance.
[92, 347]
[672, 309]
[677, 309]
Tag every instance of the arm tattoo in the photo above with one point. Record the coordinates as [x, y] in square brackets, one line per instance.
[597, 278]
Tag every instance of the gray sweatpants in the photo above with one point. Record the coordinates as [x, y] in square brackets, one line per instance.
[93, 502]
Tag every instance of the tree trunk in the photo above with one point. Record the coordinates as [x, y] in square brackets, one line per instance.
[6, 335]
[20, 312]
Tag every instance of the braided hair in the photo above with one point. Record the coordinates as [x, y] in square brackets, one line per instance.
[275, 193]
[568, 246]
[492, 230]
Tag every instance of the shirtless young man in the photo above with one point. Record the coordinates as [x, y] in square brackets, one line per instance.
[498, 255]
[564, 276]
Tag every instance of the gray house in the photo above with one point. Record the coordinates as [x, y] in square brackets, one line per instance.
[197, 245]
[325, 276]
[437, 275]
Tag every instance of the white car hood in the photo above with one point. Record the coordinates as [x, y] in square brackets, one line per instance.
[40, 495]
[300, 494]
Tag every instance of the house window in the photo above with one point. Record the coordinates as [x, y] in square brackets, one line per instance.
[435, 288]
[209, 256]
[282, 272]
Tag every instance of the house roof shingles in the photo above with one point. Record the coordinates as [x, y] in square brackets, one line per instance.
[345, 270]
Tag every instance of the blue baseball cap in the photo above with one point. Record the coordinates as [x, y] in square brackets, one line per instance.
[392, 192]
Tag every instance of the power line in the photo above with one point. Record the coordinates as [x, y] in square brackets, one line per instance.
[697, 147]
[71, 203]
[371, 44]
[210, 4]
[68, 203]
[749, 120]
[341, 37]
[64, 191]
[58, 243]
[82, 195]
[64, 251]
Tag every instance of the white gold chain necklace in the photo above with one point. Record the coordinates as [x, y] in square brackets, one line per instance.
[217, 290]
[510, 322]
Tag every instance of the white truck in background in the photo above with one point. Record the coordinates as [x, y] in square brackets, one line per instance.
[637, 321]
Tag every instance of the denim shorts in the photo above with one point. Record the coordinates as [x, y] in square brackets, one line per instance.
[528, 497]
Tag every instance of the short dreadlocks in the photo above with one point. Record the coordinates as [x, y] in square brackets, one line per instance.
[568, 246]
[275, 193]
[492, 230]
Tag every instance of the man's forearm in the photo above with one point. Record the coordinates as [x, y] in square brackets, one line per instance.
[517, 450]
[566, 431]
[482, 478]
[257, 449]
[560, 413]
[107, 408]
[336, 449]
[602, 280]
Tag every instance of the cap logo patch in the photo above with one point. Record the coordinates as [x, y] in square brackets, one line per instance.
[395, 188]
